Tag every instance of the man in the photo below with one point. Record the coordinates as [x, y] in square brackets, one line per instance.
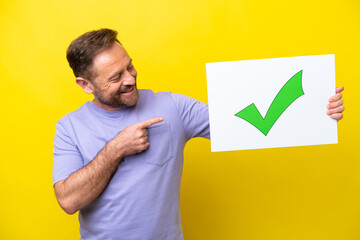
[118, 159]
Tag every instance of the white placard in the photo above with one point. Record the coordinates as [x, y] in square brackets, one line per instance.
[300, 85]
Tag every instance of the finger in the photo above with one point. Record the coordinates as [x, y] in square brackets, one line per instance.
[337, 116]
[145, 146]
[149, 122]
[335, 104]
[336, 97]
[143, 140]
[142, 147]
[339, 89]
[142, 132]
[336, 110]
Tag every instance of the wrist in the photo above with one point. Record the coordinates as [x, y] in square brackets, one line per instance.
[114, 151]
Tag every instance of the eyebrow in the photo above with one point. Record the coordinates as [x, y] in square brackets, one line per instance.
[118, 72]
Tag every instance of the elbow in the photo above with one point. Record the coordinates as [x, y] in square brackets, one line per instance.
[68, 206]
[70, 211]
[66, 202]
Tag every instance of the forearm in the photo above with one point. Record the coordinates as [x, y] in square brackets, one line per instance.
[85, 185]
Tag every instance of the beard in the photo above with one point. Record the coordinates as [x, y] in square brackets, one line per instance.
[118, 99]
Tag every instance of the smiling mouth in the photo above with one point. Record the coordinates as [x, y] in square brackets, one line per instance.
[130, 91]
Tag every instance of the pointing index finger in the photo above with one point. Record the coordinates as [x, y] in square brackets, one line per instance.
[149, 122]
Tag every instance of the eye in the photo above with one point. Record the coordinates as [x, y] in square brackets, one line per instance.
[116, 78]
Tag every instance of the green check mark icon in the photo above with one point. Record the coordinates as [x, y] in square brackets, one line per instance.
[291, 91]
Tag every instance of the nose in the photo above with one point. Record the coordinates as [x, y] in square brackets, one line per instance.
[129, 79]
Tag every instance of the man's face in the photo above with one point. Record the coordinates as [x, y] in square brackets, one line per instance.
[115, 84]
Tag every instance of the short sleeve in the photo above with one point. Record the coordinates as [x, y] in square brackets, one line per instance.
[194, 115]
[67, 158]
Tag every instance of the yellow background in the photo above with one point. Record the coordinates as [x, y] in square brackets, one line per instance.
[290, 193]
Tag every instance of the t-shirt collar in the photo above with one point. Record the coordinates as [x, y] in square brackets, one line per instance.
[111, 114]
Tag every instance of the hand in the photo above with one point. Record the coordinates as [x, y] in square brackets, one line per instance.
[335, 106]
[134, 139]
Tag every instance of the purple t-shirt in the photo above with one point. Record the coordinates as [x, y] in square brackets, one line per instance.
[142, 200]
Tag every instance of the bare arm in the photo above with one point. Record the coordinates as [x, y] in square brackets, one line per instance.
[85, 185]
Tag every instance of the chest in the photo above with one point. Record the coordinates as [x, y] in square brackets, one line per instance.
[165, 138]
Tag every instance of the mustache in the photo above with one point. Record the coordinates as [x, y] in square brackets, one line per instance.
[126, 89]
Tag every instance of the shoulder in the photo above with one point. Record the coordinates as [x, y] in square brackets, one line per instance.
[80, 113]
[162, 95]
[148, 93]
[149, 97]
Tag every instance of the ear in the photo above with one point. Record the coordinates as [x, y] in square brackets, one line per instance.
[85, 85]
